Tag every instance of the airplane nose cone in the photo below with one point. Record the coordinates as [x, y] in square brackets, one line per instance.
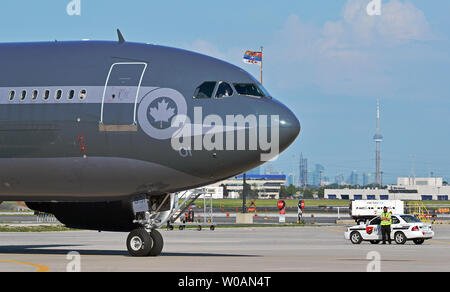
[289, 128]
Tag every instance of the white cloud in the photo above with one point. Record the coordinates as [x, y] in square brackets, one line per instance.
[403, 21]
[399, 21]
[350, 56]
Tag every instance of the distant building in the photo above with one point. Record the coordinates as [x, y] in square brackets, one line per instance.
[339, 179]
[411, 189]
[325, 181]
[214, 191]
[303, 171]
[353, 178]
[367, 179]
[268, 186]
[290, 179]
[318, 175]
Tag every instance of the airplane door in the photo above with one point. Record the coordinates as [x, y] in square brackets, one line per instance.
[120, 95]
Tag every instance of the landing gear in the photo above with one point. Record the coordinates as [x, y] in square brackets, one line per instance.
[158, 243]
[141, 243]
[146, 240]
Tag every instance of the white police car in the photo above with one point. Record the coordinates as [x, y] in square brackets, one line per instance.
[404, 227]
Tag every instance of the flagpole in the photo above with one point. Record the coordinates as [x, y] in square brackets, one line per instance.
[262, 64]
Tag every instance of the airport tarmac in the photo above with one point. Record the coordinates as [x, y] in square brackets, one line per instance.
[266, 249]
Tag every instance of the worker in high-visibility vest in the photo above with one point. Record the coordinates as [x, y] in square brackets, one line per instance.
[386, 222]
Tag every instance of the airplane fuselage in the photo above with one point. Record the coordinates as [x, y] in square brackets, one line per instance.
[91, 121]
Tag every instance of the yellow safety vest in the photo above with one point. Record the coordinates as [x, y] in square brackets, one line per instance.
[386, 222]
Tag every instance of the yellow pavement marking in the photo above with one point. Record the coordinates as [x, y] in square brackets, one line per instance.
[437, 241]
[40, 267]
[335, 230]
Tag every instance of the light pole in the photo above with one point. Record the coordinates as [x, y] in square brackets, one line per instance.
[244, 193]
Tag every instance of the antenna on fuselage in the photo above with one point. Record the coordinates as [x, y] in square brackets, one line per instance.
[121, 38]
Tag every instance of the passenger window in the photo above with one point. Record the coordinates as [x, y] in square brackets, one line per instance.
[83, 94]
[205, 90]
[34, 94]
[58, 94]
[224, 90]
[376, 221]
[23, 95]
[12, 94]
[71, 94]
[395, 220]
[46, 94]
[249, 89]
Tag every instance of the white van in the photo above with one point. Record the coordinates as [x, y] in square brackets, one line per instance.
[363, 210]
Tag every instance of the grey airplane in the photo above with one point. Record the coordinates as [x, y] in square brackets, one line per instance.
[102, 134]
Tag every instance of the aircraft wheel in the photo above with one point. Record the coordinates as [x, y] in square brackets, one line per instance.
[158, 243]
[139, 243]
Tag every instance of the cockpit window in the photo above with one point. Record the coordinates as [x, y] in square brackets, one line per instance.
[266, 93]
[205, 90]
[249, 89]
[224, 90]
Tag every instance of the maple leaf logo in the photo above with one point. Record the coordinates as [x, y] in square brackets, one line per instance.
[162, 113]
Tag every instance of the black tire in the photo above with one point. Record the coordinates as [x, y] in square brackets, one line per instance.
[139, 243]
[158, 243]
[181, 227]
[419, 241]
[171, 227]
[374, 241]
[199, 228]
[400, 238]
[355, 237]
[212, 228]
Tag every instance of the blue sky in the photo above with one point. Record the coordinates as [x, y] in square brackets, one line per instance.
[327, 60]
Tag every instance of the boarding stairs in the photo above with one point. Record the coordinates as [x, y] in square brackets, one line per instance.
[188, 198]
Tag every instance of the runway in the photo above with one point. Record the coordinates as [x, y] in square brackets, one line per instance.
[267, 249]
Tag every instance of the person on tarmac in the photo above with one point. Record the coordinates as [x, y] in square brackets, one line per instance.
[386, 222]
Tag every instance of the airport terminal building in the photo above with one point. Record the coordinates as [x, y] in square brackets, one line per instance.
[268, 186]
[407, 188]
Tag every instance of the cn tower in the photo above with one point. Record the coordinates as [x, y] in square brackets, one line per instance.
[378, 138]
